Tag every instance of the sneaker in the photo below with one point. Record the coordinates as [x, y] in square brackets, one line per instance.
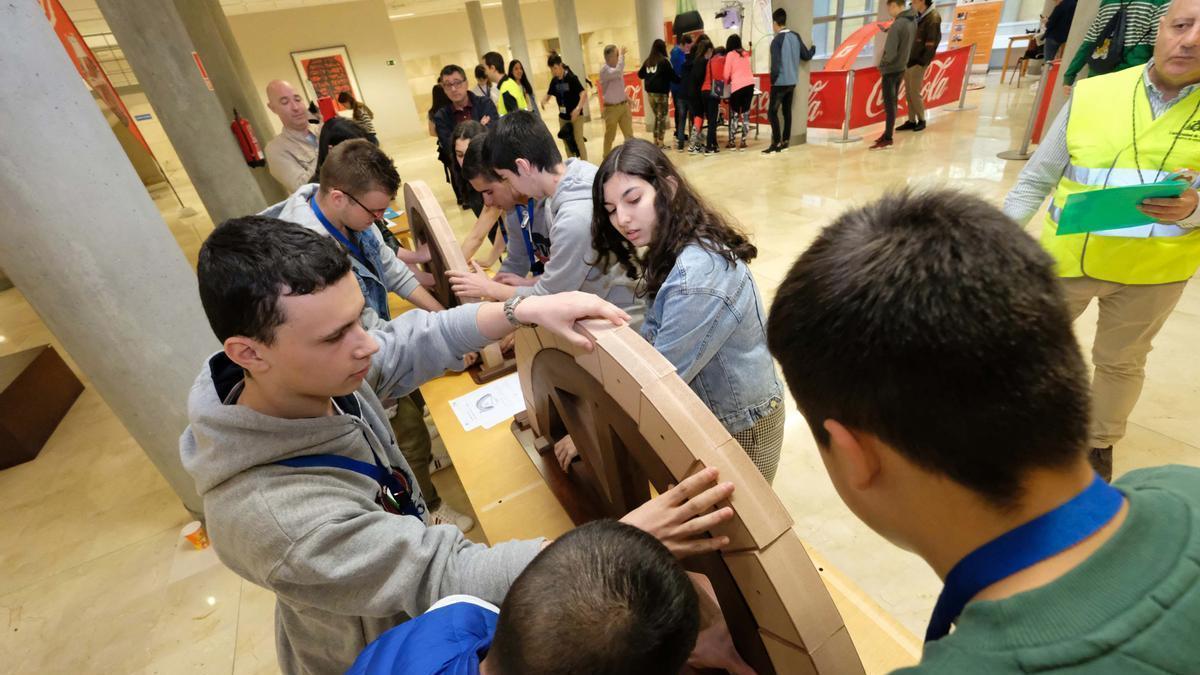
[920, 126]
[742, 145]
[784, 146]
[907, 126]
[881, 143]
[731, 144]
[1101, 461]
[771, 149]
[446, 515]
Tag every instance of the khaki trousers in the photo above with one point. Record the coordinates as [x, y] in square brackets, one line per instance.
[912, 92]
[616, 114]
[1130, 317]
[577, 132]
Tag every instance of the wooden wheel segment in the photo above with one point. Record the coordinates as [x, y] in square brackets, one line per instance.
[429, 226]
[636, 424]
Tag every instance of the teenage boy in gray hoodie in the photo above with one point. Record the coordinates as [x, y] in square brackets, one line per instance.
[893, 62]
[305, 492]
[521, 151]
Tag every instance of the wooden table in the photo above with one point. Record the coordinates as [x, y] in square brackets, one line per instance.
[1012, 42]
[512, 501]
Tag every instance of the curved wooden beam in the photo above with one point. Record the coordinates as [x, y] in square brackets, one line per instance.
[637, 424]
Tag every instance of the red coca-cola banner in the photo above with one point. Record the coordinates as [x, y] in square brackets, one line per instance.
[1050, 80]
[943, 83]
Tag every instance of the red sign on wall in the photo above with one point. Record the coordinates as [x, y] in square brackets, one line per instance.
[943, 83]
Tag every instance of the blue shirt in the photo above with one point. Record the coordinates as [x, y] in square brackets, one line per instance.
[709, 321]
[677, 59]
[449, 640]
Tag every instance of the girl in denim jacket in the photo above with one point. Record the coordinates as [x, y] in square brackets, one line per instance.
[704, 312]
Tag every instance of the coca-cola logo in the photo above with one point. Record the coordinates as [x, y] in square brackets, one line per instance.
[814, 98]
[937, 79]
[633, 92]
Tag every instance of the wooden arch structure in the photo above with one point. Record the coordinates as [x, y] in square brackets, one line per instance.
[429, 226]
[636, 424]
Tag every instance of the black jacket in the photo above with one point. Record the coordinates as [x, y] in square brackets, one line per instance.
[443, 119]
[929, 30]
[695, 81]
[659, 78]
[1058, 26]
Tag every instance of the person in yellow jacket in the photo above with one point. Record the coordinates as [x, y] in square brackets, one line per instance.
[1126, 128]
[512, 94]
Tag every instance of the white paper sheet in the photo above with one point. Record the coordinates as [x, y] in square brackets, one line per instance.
[489, 405]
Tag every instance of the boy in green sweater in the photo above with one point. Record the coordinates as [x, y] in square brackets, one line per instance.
[926, 340]
[1141, 29]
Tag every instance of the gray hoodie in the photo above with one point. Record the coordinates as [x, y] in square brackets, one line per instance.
[570, 265]
[342, 569]
[898, 44]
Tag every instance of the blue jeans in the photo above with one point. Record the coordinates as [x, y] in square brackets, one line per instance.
[681, 118]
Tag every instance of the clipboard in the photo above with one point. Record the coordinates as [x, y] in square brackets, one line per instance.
[1113, 208]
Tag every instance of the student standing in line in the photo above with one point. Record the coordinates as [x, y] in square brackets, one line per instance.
[717, 90]
[679, 55]
[659, 77]
[704, 312]
[483, 86]
[739, 79]
[892, 63]
[488, 219]
[697, 76]
[512, 94]
[924, 48]
[516, 72]
[361, 113]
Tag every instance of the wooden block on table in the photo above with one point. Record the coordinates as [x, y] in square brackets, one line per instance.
[785, 593]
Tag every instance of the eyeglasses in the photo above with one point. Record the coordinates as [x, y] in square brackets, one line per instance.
[375, 213]
[453, 84]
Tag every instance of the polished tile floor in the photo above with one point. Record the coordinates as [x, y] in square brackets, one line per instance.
[95, 578]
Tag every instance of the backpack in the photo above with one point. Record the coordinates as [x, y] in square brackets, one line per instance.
[718, 85]
[1110, 45]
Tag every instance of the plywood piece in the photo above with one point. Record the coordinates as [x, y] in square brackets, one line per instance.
[527, 346]
[429, 225]
[785, 592]
[838, 656]
[590, 361]
[759, 509]
[787, 658]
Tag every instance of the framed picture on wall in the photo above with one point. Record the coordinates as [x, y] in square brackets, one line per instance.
[326, 72]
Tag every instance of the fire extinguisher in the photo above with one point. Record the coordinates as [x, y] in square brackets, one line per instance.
[246, 140]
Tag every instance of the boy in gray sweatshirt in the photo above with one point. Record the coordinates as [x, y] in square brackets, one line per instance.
[305, 492]
[521, 151]
[892, 63]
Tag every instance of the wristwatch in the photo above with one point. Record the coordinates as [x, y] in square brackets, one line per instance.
[510, 312]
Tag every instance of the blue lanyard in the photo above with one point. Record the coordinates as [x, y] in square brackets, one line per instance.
[526, 226]
[395, 494]
[1047, 535]
[333, 231]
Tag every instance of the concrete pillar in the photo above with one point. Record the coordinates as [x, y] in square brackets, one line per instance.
[800, 20]
[203, 20]
[516, 32]
[160, 51]
[649, 29]
[1085, 13]
[479, 30]
[570, 45]
[111, 285]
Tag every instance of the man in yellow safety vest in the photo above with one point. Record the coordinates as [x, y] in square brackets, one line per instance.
[1130, 127]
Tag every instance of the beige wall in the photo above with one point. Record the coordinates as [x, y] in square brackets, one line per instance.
[268, 38]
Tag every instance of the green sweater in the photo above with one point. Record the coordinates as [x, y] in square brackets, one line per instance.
[1133, 607]
[1141, 29]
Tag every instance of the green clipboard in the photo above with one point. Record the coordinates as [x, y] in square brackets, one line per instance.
[1113, 208]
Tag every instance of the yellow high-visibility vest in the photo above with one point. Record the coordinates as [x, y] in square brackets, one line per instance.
[1101, 144]
[511, 86]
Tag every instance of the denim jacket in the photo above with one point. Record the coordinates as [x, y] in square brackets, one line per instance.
[708, 320]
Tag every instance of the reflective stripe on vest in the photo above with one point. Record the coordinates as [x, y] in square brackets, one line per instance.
[1100, 141]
